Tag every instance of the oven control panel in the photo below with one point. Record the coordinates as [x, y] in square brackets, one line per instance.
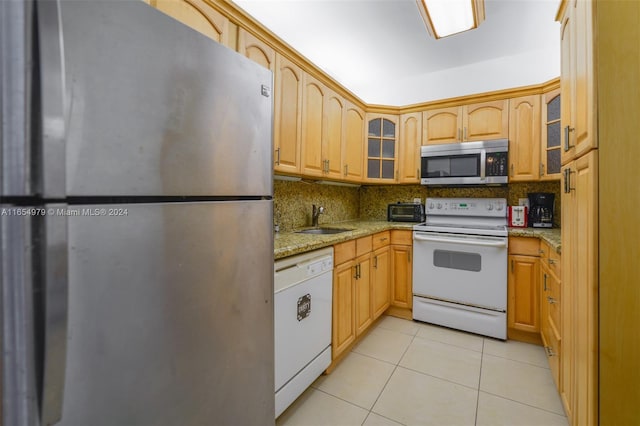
[494, 207]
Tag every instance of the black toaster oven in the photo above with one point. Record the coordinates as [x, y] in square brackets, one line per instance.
[405, 212]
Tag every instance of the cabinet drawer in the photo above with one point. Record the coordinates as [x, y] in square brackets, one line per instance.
[381, 239]
[344, 252]
[554, 262]
[402, 237]
[544, 251]
[363, 245]
[524, 245]
[550, 257]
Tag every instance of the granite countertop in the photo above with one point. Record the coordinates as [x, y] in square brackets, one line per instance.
[291, 243]
[549, 235]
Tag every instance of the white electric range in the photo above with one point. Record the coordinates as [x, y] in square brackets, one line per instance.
[460, 265]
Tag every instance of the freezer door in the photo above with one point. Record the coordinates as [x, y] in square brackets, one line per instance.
[170, 318]
[154, 108]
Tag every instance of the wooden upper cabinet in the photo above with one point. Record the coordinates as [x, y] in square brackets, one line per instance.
[442, 125]
[198, 15]
[381, 147]
[567, 90]
[313, 94]
[474, 122]
[576, 81]
[409, 149]
[353, 146]
[585, 138]
[287, 116]
[550, 136]
[256, 50]
[333, 135]
[485, 120]
[524, 138]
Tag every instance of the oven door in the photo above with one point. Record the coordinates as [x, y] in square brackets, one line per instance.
[466, 269]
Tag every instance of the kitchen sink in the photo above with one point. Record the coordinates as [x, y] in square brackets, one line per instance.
[323, 231]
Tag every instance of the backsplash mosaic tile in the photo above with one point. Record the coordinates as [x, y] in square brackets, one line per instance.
[293, 200]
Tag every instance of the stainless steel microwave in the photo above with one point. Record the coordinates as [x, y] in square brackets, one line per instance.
[466, 163]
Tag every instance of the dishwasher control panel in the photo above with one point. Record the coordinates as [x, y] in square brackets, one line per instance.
[320, 266]
[296, 269]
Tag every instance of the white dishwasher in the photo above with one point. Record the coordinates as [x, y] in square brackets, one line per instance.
[303, 288]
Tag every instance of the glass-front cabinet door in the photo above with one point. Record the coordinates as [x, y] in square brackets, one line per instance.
[382, 141]
[551, 135]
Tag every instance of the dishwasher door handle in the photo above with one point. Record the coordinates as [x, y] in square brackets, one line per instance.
[500, 243]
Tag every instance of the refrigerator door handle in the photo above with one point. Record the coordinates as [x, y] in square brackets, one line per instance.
[55, 313]
[52, 90]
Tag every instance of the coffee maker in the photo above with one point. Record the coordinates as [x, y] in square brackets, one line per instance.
[541, 209]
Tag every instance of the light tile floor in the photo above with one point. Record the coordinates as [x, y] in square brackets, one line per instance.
[410, 373]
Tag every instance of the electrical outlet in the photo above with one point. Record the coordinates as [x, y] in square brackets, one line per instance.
[417, 200]
[523, 202]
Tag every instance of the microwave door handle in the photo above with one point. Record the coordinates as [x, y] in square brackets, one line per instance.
[501, 243]
[483, 163]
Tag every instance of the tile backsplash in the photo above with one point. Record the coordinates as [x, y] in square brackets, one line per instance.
[293, 200]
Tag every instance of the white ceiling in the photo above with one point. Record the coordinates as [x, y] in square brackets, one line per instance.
[381, 51]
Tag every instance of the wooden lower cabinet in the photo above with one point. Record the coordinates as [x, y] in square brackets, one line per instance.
[402, 269]
[343, 331]
[550, 318]
[380, 274]
[360, 288]
[580, 290]
[523, 291]
[401, 276]
[523, 303]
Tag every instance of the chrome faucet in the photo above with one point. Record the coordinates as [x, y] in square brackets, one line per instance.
[315, 214]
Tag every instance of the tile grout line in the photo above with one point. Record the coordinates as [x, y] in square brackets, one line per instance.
[437, 377]
[387, 382]
[475, 422]
[519, 361]
[524, 403]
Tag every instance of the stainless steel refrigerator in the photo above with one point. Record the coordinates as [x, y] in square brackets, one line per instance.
[136, 221]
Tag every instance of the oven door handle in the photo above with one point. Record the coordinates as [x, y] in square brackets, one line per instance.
[500, 243]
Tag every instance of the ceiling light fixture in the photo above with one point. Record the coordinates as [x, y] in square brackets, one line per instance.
[446, 17]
